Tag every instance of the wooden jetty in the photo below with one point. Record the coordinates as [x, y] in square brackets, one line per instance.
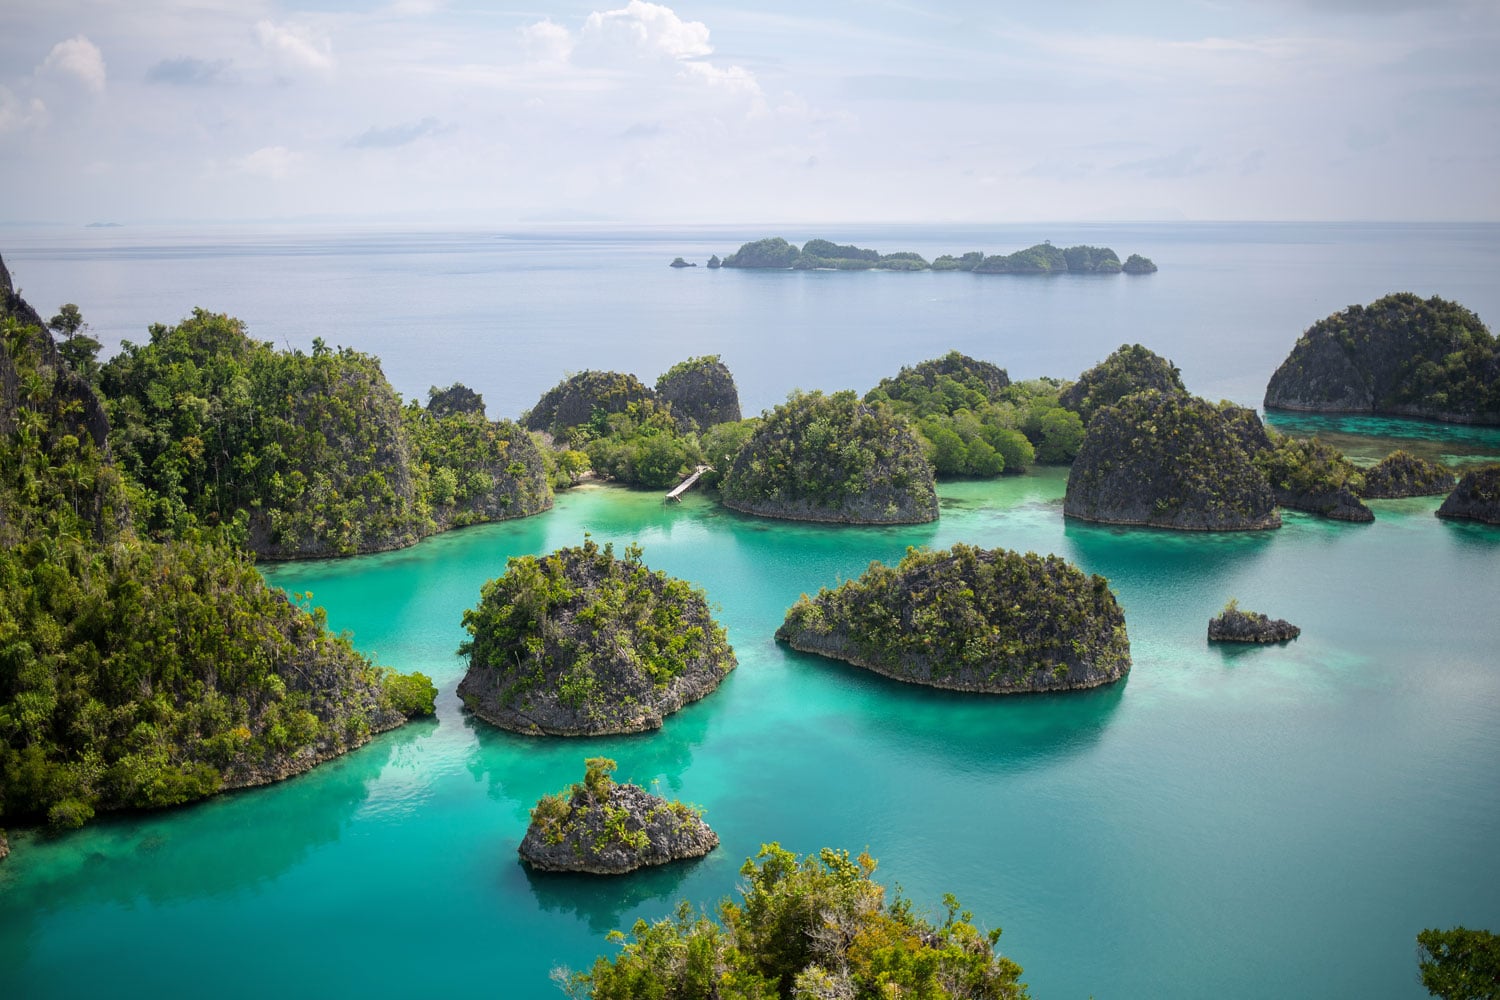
[688, 483]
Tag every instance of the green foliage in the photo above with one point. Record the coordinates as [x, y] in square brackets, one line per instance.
[411, 694]
[456, 398]
[1307, 466]
[835, 458]
[1136, 264]
[967, 262]
[468, 470]
[1460, 964]
[1132, 368]
[701, 392]
[1402, 474]
[985, 619]
[722, 445]
[942, 386]
[643, 447]
[574, 410]
[771, 252]
[818, 926]
[1042, 258]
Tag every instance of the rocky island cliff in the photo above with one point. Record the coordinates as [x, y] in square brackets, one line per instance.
[1402, 474]
[1169, 461]
[581, 643]
[700, 390]
[1400, 355]
[1131, 368]
[832, 458]
[970, 619]
[605, 828]
[1475, 498]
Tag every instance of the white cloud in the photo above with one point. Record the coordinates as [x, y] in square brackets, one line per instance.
[18, 114]
[78, 58]
[274, 162]
[647, 29]
[547, 42]
[295, 47]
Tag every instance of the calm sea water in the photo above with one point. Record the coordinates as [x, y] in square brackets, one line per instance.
[1228, 823]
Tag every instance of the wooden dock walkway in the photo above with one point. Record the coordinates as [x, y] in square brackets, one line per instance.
[687, 484]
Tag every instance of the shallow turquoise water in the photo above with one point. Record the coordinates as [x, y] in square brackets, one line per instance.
[1233, 823]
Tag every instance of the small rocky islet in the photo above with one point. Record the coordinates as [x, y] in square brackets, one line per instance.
[602, 827]
[970, 619]
[1475, 498]
[1236, 625]
[1402, 474]
[582, 643]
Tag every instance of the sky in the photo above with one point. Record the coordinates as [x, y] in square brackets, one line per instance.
[700, 111]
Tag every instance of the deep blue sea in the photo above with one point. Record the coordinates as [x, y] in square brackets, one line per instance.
[1240, 823]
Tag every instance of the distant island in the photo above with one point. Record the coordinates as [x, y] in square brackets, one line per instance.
[775, 253]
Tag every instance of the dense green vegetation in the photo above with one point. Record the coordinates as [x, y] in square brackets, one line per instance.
[135, 673]
[1131, 368]
[1172, 461]
[1459, 964]
[970, 619]
[806, 928]
[832, 458]
[1400, 354]
[306, 454]
[630, 433]
[467, 469]
[966, 262]
[1136, 264]
[581, 641]
[973, 421]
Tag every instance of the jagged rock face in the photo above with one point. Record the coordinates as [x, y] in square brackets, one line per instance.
[603, 646]
[457, 398]
[573, 401]
[1168, 461]
[701, 390]
[1235, 625]
[835, 459]
[589, 839]
[1401, 474]
[1132, 368]
[1309, 475]
[1476, 498]
[1338, 504]
[970, 619]
[1399, 355]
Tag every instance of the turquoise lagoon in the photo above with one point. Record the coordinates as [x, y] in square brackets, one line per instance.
[1275, 821]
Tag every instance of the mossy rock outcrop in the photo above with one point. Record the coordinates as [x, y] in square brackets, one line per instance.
[1308, 475]
[604, 828]
[1402, 474]
[1168, 461]
[581, 643]
[1399, 355]
[574, 400]
[456, 398]
[970, 619]
[1132, 368]
[701, 390]
[1234, 625]
[1476, 497]
[473, 470]
[832, 458]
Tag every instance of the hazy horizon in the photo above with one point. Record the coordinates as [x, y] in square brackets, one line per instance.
[450, 112]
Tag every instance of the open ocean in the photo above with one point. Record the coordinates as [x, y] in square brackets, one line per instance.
[1229, 823]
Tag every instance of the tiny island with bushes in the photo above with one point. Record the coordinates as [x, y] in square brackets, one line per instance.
[602, 827]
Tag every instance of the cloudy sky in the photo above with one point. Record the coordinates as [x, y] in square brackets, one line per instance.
[772, 110]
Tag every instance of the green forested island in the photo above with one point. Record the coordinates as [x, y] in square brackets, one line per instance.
[1043, 258]
[1476, 497]
[1131, 368]
[1401, 355]
[137, 672]
[970, 619]
[308, 454]
[580, 642]
[811, 927]
[1402, 474]
[602, 827]
[833, 458]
